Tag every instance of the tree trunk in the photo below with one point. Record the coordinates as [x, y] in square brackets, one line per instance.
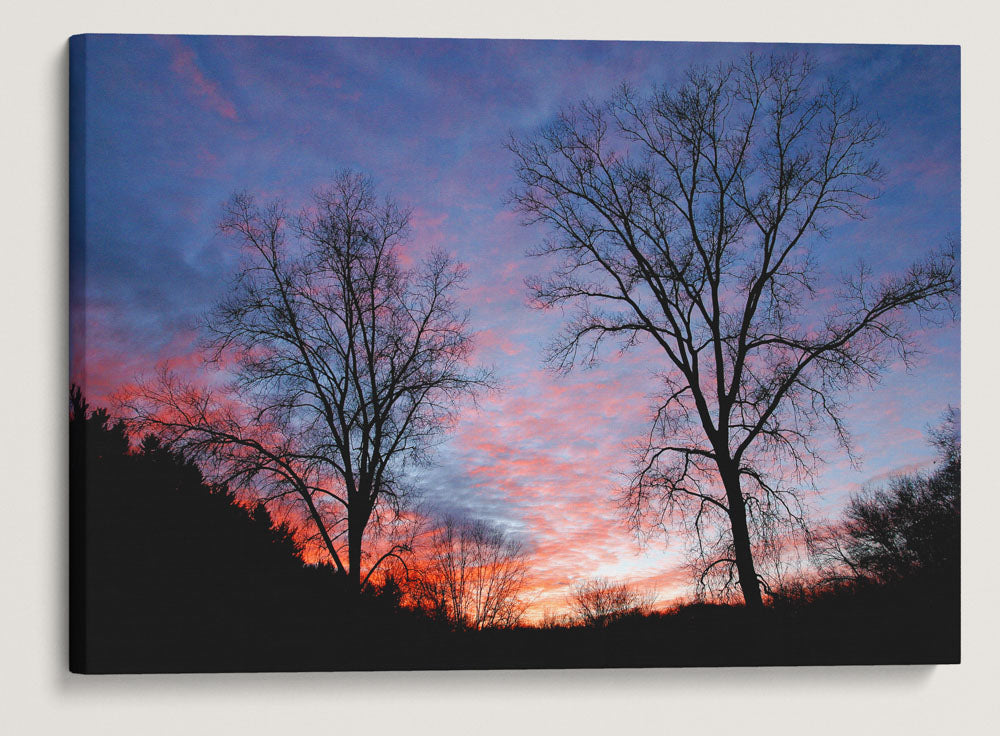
[358, 516]
[749, 584]
[355, 534]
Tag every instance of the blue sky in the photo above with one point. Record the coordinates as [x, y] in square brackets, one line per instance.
[175, 125]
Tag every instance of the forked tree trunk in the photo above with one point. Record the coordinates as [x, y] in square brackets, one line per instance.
[358, 515]
[749, 584]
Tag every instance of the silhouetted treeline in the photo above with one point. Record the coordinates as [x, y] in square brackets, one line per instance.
[170, 574]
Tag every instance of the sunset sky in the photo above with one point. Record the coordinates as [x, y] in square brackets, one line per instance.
[175, 125]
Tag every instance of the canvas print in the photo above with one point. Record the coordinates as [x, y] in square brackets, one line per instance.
[449, 353]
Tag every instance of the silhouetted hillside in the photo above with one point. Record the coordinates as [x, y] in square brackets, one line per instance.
[171, 575]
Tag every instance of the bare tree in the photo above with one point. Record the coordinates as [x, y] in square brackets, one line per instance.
[345, 366]
[552, 620]
[600, 601]
[689, 218]
[474, 575]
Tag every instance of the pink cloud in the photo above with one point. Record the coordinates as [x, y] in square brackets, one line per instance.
[491, 341]
[185, 66]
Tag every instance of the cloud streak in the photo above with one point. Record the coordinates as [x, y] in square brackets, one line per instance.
[206, 91]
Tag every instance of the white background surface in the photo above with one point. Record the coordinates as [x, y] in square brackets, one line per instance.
[38, 695]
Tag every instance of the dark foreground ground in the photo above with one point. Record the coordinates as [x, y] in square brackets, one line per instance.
[864, 630]
[168, 575]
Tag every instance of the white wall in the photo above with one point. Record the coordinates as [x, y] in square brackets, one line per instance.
[37, 694]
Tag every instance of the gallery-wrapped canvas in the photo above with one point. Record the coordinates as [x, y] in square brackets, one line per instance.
[448, 353]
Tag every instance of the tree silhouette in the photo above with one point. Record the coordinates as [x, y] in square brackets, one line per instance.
[600, 601]
[474, 575]
[345, 366]
[909, 527]
[690, 218]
